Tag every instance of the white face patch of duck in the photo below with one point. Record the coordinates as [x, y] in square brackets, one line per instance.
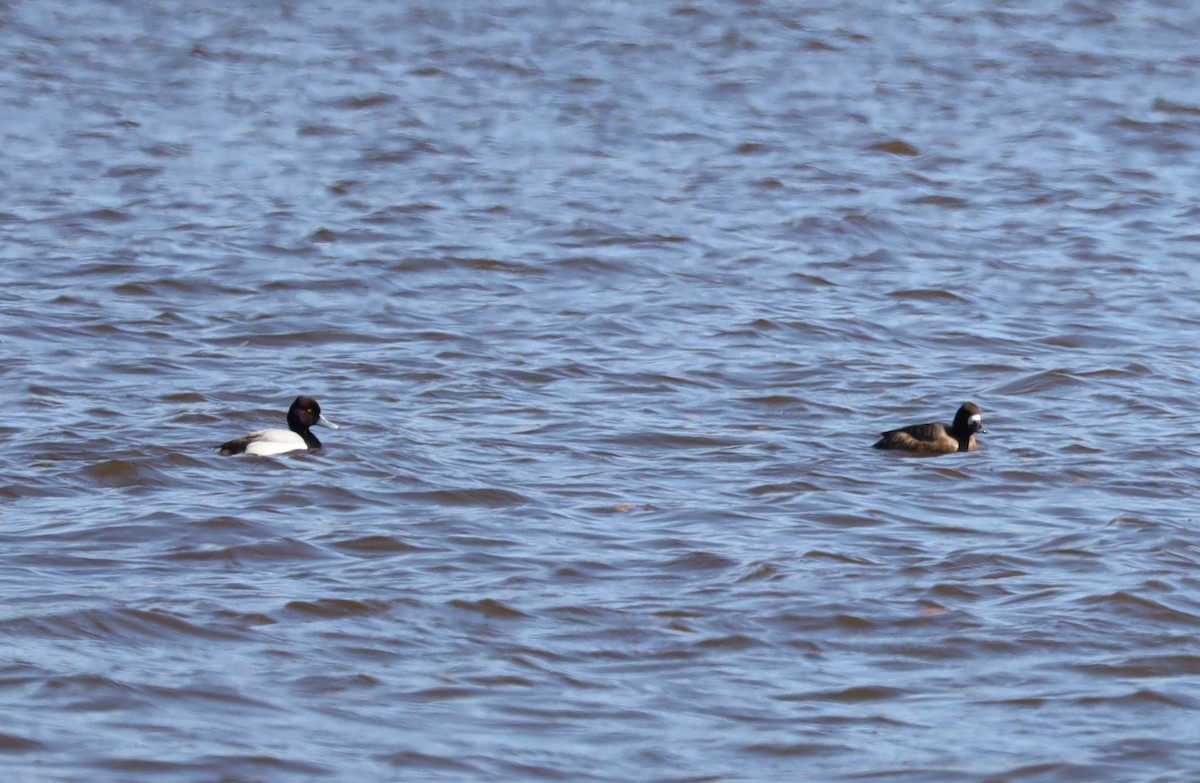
[975, 423]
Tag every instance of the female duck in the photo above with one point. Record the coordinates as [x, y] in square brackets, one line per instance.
[933, 439]
[304, 413]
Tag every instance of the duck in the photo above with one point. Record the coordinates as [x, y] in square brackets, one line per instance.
[304, 413]
[935, 439]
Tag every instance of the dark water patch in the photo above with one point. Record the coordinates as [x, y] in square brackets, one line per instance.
[403, 153]
[478, 542]
[324, 684]
[774, 400]
[140, 766]
[927, 295]
[1051, 771]
[485, 265]
[270, 335]
[214, 696]
[372, 544]
[699, 561]
[825, 623]
[337, 608]
[281, 550]
[846, 520]
[54, 559]
[809, 279]
[796, 750]
[1150, 667]
[367, 101]
[732, 642]
[649, 383]
[87, 693]
[1124, 603]
[762, 572]
[488, 497]
[488, 607]
[417, 762]
[322, 130]
[244, 620]
[895, 147]
[105, 216]
[119, 624]
[1143, 698]
[667, 440]
[135, 171]
[581, 570]
[505, 681]
[838, 557]
[852, 695]
[235, 767]
[12, 743]
[940, 200]
[122, 473]
[223, 523]
[592, 266]
[624, 507]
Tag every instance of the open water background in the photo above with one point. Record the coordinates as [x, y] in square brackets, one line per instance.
[611, 299]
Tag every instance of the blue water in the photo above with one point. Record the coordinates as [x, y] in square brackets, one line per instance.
[611, 300]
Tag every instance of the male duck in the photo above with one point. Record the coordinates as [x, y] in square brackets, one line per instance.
[304, 413]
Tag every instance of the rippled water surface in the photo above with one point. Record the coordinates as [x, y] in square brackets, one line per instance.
[610, 299]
